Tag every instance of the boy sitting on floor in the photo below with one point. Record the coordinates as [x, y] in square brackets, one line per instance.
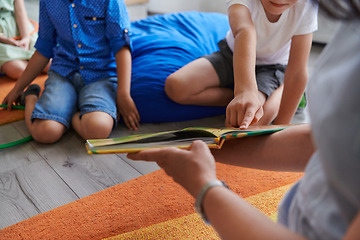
[89, 79]
[271, 37]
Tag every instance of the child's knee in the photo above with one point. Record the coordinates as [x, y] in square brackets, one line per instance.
[96, 125]
[97, 131]
[14, 69]
[47, 131]
[176, 89]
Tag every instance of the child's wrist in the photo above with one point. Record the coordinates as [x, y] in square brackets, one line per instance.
[244, 90]
[123, 94]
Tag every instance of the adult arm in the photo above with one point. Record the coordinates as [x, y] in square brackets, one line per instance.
[36, 65]
[246, 107]
[295, 79]
[353, 231]
[125, 104]
[286, 150]
[229, 214]
[233, 217]
[22, 22]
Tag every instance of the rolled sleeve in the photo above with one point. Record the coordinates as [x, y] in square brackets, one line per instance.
[117, 43]
[47, 35]
[45, 47]
[118, 26]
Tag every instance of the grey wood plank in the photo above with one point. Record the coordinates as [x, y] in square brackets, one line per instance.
[216, 122]
[14, 157]
[122, 131]
[141, 166]
[30, 190]
[85, 174]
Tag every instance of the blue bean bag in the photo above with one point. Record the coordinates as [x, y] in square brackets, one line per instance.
[161, 45]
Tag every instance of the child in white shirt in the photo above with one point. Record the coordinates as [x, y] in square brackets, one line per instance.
[271, 37]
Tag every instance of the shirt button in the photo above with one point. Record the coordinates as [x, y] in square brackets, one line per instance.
[94, 18]
[73, 5]
[75, 26]
[79, 45]
[126, 30]
[81, 67]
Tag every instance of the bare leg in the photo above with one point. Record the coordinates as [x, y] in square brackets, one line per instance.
[93, 125]
[43, 131]
[197, 83]
[287, 150]
[271, 107]
[14, 68]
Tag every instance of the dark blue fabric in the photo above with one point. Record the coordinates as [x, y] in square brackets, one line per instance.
[161, 45]
[83, 36]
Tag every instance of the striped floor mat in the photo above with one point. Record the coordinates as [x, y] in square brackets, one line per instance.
[149, 207]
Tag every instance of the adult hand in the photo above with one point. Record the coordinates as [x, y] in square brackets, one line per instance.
[24, 43]
[244, 110]
[127, 109]
[192, 168]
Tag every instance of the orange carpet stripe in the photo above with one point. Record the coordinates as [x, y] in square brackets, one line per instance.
[187, 227]
[192, 226]
[150, 199]
[6, 84]
[267, 202]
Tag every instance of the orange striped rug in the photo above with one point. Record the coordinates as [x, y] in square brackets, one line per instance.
[149, 207]
[6, 84]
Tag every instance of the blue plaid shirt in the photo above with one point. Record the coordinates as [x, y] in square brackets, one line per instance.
[83, 35]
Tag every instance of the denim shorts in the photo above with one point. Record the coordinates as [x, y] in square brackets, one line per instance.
[268, 77]
[63, 97]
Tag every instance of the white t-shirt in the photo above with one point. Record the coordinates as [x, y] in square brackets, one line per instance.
[274, 39]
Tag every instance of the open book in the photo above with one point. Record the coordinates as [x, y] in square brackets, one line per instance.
[213, 137]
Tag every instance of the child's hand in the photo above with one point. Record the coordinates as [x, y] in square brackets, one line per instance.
[12, 96]
[190, 168]
[9, 41]
[244, 110]
[127, 109]
[24, 43]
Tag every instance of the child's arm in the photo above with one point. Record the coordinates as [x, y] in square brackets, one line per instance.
[246, 107]
[295, 79]
[22, 22]
[36, 65]
[271, 107]
[125, 104]
[9, 41]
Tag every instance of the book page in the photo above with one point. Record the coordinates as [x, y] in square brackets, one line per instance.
[135, 147]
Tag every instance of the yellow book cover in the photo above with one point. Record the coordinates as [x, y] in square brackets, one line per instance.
[213, 137]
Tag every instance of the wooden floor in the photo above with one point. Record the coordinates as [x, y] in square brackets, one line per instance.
[36, 178]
